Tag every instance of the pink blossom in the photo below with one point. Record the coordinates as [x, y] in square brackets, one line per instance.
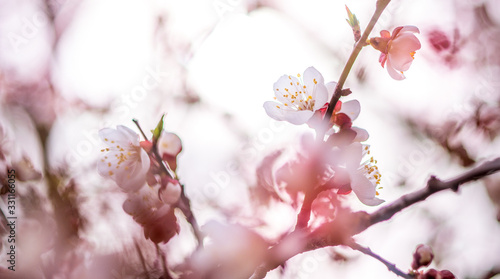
[397, 50]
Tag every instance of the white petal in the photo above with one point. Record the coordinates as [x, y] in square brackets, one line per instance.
[353, 155]
[111, 136]
[364, 189]
[321, 96]
[351, 108]
[169, 143]
[311, 79]
[298, 117]
[132, 136]
[283, 87]
[361, 134]
[330, 87]
[273, 111]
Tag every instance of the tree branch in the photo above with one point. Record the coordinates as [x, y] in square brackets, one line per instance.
[434, 185]
[392, 267]
[348, 224]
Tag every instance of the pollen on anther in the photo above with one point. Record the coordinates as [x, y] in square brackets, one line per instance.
[109, 164]
[105, 139]
[298, 75]
[110, 172]
[315, 82]
[291, 83]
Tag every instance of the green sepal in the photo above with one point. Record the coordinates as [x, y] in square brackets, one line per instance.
[157, 130]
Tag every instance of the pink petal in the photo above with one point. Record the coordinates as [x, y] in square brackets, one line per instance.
[393, 73]
[409, 28]
[400, 52]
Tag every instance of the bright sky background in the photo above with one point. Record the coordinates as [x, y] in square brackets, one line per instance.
[111, 47]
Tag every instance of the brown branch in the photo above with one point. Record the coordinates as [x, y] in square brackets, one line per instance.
[392, 267]
[434, 185]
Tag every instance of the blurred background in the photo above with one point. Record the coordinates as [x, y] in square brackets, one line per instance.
[69, 68]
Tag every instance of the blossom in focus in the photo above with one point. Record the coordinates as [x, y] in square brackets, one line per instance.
[298, 98]
[397, 50]
[360, 177]
[123, 160]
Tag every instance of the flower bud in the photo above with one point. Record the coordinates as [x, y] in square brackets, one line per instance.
[171, 193]
[422, 257]
[435, 274]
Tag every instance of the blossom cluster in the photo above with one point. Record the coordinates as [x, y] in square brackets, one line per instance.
[152, 193]
[342, 162]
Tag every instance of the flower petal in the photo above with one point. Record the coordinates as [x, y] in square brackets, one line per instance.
[351, 108]
[397, 75]
[132, 136]
[361, 134]
[330, 87]
[169, 143]
[364, 189]
[400, 54]
[409, 28]
[321, 96]
[311, 79]
[298, 117]
[353, 155]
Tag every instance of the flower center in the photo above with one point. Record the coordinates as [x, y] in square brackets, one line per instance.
[298, 96]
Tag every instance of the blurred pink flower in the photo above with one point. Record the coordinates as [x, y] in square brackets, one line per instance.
[123, 160]
[397, 50]
[298, 98]
[154, 215]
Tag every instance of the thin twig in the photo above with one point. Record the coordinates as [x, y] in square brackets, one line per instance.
[381, 5]
[392, 267]
[139, 127]
[141, 257]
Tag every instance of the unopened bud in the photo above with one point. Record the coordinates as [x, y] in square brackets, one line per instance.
[422, 257]
[171, 193]
[435, 274]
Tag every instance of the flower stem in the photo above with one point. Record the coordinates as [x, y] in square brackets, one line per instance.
[381, 5]
[136, 122]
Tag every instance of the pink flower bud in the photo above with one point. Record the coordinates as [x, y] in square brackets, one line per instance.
[422, 257]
